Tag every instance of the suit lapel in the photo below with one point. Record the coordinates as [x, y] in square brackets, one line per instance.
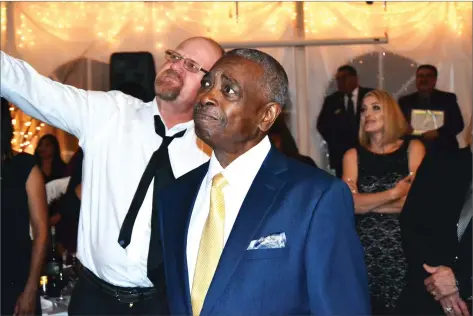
[361, 94]
[341, 104]
[258, 202]
[183, 212]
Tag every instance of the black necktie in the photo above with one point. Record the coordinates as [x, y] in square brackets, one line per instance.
[159, 167]
[351, 115]
[350, 106]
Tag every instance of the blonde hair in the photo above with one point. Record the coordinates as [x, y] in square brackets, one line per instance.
[395, 125]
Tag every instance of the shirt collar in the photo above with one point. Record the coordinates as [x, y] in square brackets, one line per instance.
[244, 168]
[355, 93]
[176, 128]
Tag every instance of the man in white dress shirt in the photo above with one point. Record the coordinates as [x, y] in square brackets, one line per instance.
[117, 134]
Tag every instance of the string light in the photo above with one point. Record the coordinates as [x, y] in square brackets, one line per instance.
[366, 20]
[26, 138]
[64, 19]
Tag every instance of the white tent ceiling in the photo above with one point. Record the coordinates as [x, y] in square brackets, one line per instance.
[78, 38]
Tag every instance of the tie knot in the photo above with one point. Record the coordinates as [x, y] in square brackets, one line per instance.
[159, 127]
[349, 95]
[161, 131]
[219, 181]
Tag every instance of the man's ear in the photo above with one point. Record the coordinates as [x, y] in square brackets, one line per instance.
[270, 112]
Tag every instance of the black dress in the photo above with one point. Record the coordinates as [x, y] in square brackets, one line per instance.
[380, 234]
[16, 241]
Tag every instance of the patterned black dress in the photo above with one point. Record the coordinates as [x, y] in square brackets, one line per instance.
[380, 234]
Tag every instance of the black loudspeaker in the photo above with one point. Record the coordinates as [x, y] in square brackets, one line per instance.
[133, 74]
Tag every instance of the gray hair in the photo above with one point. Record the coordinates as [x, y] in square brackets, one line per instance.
[274, 80]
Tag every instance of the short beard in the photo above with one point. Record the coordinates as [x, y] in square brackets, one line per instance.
[169, 95]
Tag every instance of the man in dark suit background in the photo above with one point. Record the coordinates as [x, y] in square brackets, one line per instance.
[339, 119]
[429, 98]
[254, 232]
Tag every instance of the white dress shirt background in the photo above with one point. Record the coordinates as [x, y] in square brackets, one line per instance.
[354, 98]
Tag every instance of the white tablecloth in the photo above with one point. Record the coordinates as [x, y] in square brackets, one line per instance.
[55, 306]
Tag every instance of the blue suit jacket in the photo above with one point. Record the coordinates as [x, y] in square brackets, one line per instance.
[320, 270]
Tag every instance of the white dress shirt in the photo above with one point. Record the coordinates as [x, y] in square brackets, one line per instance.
[240, 175]
[116, 133]
[354, 98]
[56, 188]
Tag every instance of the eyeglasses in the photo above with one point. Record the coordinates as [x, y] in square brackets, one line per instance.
[189, 64]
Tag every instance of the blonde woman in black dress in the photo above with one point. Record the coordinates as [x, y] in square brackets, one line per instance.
[379, 172]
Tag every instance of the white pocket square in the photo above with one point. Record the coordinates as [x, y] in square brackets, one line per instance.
[273, 241]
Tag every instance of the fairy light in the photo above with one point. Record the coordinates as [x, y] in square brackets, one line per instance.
[25, 134]
[366, 19]
[64, 19]
[3, 19]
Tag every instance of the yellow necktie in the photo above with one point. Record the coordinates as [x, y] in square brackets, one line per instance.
[211, 245]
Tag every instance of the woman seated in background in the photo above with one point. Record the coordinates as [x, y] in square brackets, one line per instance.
[379, 172]
[69, 205]
[281, 138]
[48, 157]
[23, 201]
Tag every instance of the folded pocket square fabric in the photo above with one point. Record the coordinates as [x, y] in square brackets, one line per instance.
[273, 241]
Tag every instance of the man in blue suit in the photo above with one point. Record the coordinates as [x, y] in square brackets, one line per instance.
[253, 232]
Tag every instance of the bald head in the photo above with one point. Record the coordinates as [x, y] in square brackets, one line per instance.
[205, 41]
[178, 83]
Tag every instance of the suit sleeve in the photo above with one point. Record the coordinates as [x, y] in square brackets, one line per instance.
[336, 273]
[325, 125]
[403, 104]
[414, 227]
[428, 232]
[453, 117]
[76, 111]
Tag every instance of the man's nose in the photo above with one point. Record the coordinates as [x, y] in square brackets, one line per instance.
[178, 66]
[208, 99]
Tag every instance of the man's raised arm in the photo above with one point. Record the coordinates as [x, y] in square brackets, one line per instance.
[68, 108]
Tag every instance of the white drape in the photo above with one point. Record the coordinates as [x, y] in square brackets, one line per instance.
[72, 43]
